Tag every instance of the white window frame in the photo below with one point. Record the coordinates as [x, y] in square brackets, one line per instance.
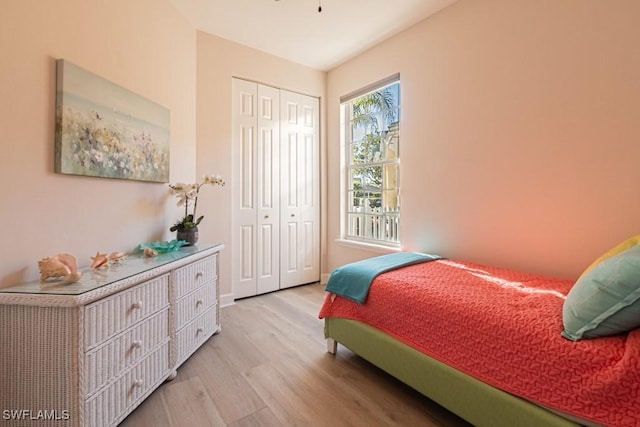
[372, 226]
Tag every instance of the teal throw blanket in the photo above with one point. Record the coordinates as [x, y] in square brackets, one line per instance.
[353, 281]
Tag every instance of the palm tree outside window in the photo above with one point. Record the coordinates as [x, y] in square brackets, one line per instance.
[371, 123]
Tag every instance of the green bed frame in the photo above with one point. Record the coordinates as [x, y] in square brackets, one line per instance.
[471, 399]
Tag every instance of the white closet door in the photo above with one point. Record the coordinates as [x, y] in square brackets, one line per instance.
[300, 190]
[243, 182]
[275, 189]
[256, 195]
[268, 186]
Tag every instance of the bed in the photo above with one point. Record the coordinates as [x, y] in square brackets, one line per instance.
[487, 343]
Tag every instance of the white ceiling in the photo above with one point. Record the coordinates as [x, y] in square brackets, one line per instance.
[295, 30]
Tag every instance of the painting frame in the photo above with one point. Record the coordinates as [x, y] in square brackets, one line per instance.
[105, 130]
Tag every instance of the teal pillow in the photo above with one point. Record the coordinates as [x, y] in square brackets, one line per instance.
[606, 300]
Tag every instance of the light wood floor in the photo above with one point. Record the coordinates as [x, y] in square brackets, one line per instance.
[269, 367]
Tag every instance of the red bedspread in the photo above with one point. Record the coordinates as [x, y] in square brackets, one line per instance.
[503, 328]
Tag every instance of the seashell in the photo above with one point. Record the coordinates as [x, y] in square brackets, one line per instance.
[61, 265]
[72, 278]
[100, 260]
[149, 252]
[69, 260]
[117, 256]
[52, 267]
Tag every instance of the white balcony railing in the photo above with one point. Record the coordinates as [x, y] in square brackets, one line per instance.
[375, 225]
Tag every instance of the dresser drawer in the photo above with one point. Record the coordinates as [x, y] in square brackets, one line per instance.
[188, 278]
[113, 403]
[109, 360]
[195, 333]
[195, 303]
[112, 315]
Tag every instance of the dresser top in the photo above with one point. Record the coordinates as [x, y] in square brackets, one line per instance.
[134, 265]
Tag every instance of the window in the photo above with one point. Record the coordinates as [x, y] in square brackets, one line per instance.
[371, 136]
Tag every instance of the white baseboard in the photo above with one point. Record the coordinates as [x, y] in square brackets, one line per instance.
[226, 300]
[324, 278]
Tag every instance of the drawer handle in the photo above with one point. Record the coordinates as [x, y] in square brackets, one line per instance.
[137, 304]
[199, 302]
[136, 344]
[199, 275]
[199, 330]
[138, 383]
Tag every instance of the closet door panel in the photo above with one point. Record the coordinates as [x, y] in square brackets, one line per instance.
[300, 210]
[246, 253]
[246, 181]
[268, 171]
[244, 153]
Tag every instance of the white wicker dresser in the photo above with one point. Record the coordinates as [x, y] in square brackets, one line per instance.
[88, 353]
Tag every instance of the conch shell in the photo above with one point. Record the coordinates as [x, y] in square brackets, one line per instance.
[100, 260]
[61, 265]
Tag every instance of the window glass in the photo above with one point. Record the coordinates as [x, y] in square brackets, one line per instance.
[372, 159]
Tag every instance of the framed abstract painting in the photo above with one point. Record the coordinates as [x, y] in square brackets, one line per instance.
[105, 130]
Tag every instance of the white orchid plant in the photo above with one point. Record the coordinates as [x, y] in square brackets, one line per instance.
[187, 195]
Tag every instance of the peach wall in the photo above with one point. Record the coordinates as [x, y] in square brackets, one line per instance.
[145, 46]
[519, 134]
[218, 61]
[520, 139]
